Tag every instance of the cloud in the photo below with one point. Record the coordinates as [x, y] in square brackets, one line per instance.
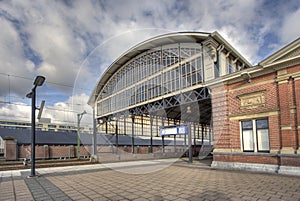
[290, 27]
[66, 112]
[12, 61]
[72, 43]
[61, 112]
[17, 110]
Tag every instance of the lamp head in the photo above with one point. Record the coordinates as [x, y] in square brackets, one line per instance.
[29, 95]
[39, 80]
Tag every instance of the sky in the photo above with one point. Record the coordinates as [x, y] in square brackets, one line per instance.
[72, 42]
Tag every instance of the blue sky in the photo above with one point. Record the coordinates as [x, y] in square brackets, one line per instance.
[71, 43]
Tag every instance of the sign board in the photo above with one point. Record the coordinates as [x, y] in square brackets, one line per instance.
[174, 130]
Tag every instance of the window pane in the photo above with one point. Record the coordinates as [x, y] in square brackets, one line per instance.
[263, 140]
[247, 124]
[262, 123]
[248, 140]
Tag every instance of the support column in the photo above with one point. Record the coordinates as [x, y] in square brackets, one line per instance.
[151, 134]
[190, 143]
[175, 148]
[195, 142]
[142, 121]
[124, 124]
[132, 136]
[106, 126]
[163, 137]
[94, 134]
[157, 127]
[202, 134]
[117, 135]
[163, 143]
[184, 141]
[210, 134]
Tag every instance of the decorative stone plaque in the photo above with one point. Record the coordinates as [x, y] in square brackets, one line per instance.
[252, 100]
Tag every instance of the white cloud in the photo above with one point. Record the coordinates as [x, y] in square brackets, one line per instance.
[61, 112]
[290, 27]
[12, 61]
[66, 112]
[17, 110]
[73, 43]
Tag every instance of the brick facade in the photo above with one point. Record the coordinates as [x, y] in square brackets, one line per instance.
[70, 151]
[52, 151]
[10, 149]
[272, 94]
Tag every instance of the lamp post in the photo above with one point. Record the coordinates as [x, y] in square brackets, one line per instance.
[79, 117]
[39, 81]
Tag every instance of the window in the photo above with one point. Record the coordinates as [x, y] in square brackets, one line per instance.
[255, 135]
[262, 133]
[247, 135]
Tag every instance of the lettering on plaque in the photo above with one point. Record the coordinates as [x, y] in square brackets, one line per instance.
[252, 100]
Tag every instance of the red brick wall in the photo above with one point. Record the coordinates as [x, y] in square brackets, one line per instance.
[66, 151]
[234, 128]
[52, 151]
[246, 159]
[220, 117]
[297, 102]
[227, 104]
[10, 149]
[275, 141]
[290, 161]
[257, 84]
[282, 94]
[24, 151]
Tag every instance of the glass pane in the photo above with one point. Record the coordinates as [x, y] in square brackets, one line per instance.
[248, 140]
[247, 124]
[263, 140]
[262, 123]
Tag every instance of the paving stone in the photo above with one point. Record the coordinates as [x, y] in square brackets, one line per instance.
[184, 182]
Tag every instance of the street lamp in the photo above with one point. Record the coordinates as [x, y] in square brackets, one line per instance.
[79, 117]
[39, 80]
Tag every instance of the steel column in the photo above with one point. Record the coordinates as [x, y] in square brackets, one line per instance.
[132, 136]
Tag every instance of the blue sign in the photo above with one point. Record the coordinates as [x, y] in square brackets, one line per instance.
[174, 130]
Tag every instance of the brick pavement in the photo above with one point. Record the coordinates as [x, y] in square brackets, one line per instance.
[180, 181]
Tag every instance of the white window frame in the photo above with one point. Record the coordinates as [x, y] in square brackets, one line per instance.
[255, 136]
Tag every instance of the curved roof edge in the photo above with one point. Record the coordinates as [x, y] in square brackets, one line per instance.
[156, 41]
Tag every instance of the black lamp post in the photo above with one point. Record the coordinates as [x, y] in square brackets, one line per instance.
[39, 80]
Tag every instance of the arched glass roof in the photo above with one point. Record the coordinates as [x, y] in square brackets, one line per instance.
[172, 38]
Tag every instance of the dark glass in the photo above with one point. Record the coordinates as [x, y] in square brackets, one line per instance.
[247, 124]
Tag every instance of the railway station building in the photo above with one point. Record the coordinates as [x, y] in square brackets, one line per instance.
[248, 115]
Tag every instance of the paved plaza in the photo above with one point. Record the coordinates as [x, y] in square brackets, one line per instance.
[146, 180]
